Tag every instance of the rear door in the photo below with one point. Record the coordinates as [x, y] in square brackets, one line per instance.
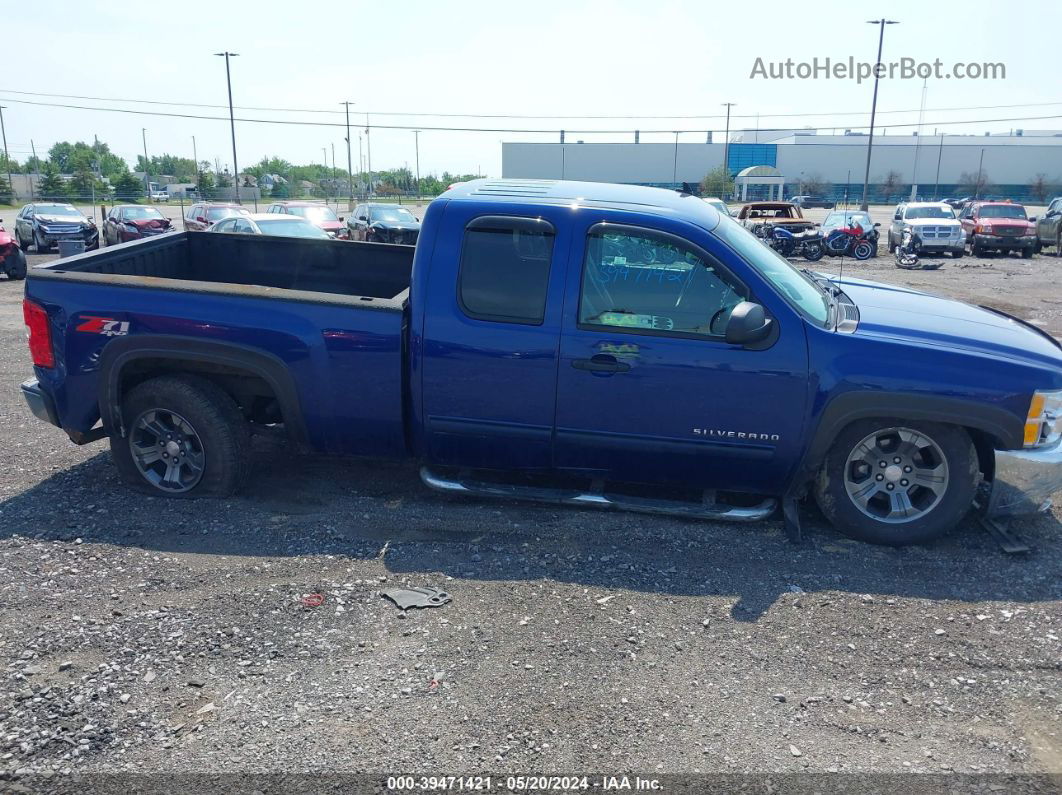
[491, 330]
[648, 390]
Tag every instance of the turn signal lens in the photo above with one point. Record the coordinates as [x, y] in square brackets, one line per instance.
[1043, 423]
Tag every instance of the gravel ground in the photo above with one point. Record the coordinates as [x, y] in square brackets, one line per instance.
[141, 634]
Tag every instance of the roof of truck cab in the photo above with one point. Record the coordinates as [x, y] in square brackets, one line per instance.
[599, 194]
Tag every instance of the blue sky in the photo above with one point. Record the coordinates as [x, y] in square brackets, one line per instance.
[542, 58]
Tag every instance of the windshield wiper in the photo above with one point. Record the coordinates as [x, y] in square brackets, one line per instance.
[829, 290]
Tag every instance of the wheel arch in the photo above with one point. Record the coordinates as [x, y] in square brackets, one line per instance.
[127, 361]
[989, 427]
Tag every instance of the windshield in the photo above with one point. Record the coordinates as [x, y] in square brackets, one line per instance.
[142, 214]
[315, 213]
[934, 211]
[57, 209]
[794, 286]
[1002, 211]
[396, 214]
[290, 227]
[217, 213]
[847, 219]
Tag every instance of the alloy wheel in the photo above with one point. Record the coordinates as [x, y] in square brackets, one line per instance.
[167, 450]
[896, 475]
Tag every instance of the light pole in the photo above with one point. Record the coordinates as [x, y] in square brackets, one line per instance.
[195, 163]
[232, 121]
[350, 169]
[881, 23]
[726, 148]
[7, 159]
[147, 188]
[416, 146]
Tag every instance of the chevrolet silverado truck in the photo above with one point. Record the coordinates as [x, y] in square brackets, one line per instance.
[998, 226]
[581, 343]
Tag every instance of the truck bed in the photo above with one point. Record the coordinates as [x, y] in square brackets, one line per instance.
[376, 275]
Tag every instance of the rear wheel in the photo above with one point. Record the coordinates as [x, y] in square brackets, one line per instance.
[1026, 253]
[185, 437]
[976, 250]
[897, 482]
[958, 254]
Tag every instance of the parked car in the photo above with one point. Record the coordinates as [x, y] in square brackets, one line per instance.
[805, 202]
[934, 227]
[958, 204]
[272, 224]
[717, 203]
[998, 226]
[316, 213]
[385, 223]
[753, 216]
[45, 223]
[160, 196]
[12, 257]
[846, 218]
[1049, 226]
[127, 222]
[644, 339]
[202, 215]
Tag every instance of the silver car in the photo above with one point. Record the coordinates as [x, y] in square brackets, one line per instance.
[270, 224]
[934, 226]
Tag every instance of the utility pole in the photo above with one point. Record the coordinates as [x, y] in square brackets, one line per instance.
[674, 172]
[881, 23]
[368, 148]
[416, 146]
[36, 168]
[324, 155]
[350, 169]
[7, 158]
[147, 187]
[940, 153]
[361, 159]
[195, 159]
[980, 175]
[232, 121]
[726, 147]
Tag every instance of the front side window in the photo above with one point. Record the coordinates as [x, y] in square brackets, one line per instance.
[639, 280]
[504, 269]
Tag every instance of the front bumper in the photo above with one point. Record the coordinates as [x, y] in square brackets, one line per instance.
[950, 244]
[1025, 480]
[1007, 242]
[39, 402]
[90, 236]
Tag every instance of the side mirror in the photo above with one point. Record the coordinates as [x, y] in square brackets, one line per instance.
[1032, 219]
[748, 323]
[876, 225]
[341, 219]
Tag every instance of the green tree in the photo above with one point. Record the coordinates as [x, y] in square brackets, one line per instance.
[281, 190]
[51, 185]
[84, 185]
[6, 194]
[128, 187]
[717, 182]
[9, 165]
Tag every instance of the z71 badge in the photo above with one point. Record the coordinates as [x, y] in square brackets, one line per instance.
[107, 326]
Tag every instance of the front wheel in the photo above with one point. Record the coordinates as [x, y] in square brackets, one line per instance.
[862, 250]
[185, 437]
[897, 482]
[958, 254]
[813, 252]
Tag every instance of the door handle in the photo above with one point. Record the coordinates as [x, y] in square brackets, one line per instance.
[601, 363]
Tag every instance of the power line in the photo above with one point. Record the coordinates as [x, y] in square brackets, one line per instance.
[518, 115]
[541, 131]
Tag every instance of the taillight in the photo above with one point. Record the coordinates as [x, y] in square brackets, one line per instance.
[40, 334]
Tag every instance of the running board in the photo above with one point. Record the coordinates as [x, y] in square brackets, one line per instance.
[708, 509]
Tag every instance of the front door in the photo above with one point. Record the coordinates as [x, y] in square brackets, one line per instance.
[490, 337]
[648, 390]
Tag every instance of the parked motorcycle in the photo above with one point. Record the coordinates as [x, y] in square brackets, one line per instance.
[850, 241]
[805, 244]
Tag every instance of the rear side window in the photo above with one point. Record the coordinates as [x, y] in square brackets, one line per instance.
[505, 269]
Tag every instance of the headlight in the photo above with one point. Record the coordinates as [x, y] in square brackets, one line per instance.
[1043, 424]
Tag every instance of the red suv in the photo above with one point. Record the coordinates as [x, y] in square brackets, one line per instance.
[203, 215]
[998, 226]
[320, 215]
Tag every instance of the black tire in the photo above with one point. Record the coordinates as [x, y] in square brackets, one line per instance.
[843, 513]
[976, 250]
[1058, 244]
[16, 266]
[1027, 253]
[958, 254]
[217, 424]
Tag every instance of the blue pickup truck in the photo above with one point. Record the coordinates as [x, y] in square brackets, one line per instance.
[582, 343]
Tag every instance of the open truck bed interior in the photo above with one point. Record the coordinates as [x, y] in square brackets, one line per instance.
[375, 275]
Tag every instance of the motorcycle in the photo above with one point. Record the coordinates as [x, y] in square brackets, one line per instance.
[850, 241]
[805, 244]
[907, 253]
